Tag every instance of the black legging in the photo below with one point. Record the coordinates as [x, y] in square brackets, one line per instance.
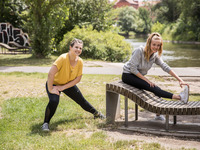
[135, 81]
[75, 94]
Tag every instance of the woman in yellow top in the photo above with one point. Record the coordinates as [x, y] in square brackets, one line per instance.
[63, 76]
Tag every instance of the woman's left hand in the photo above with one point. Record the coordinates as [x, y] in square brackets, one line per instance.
[60, 88]
[182, 83]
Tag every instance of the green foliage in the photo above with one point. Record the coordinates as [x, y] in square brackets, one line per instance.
[182, 19]
[44, 22]
[107, 46]
[98, 13]
[95, 13]
[10, 11]
[158, 27]
[167, 33]
[168, 10]
[128, 20]
[145, 16]
[188, 25]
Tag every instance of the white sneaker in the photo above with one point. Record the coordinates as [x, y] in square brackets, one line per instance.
[45, 127]
[160, 117]
[185, 95]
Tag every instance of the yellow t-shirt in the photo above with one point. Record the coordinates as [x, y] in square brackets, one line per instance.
[66, 72]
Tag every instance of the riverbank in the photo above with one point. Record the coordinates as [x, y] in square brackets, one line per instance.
[144, 36]
[182, 42]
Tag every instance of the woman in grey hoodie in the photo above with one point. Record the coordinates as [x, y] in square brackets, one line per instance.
[142, 59]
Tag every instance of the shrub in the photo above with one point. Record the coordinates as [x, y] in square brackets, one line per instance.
[158, 27]
[107, 46]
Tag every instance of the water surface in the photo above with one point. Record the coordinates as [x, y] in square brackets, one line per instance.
[176, 54]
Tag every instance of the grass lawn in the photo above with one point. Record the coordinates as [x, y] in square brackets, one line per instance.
[23, 101]
[22, 105]
[25, 60]
[29, 60]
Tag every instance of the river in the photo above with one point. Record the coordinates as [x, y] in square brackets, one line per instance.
[174, 54]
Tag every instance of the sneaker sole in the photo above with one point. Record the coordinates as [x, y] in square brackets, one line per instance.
[46, 130]
[188, 93]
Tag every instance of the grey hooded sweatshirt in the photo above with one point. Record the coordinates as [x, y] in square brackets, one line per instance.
[138, 63]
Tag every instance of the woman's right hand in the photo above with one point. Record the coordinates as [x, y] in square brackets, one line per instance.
[151, 84]
[139, 75]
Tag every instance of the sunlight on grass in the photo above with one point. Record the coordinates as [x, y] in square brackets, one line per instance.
[23, 101]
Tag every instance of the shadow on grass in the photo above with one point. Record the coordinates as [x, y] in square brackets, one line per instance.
[36, 128]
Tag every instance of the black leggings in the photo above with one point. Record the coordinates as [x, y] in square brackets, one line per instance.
[135, 81]
[75, 94]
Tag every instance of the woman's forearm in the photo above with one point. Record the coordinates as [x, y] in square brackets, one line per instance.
[139, 75]
[70, 84]
[50, 79]
[172, 73]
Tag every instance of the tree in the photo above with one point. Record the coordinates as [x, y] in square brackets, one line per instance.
[168, 10]
[189, 20]
[129, 20]
[145, 16]
[86, 12]
[42, 24]
[10, 11]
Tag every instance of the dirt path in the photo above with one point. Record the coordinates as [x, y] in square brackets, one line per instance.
[166, 142]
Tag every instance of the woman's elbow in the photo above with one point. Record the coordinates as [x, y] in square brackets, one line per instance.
[50, 74]
[79, 79]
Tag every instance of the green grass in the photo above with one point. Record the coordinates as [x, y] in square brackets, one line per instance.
[29, 60]
[23, 101]
[25, 60]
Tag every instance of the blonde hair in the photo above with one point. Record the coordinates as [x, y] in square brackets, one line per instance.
[147, 49]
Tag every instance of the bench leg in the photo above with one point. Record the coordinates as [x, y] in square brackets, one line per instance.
[136, 111]
[174, 119]
[112, 106]
[126, 111]
[167, 122]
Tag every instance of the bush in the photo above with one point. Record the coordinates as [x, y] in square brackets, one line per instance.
[178, 31]
[158, 27]
[106, 46]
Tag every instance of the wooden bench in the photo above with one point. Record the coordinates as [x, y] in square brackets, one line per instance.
[147, 101]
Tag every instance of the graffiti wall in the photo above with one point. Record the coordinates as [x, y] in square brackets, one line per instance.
[13, 36]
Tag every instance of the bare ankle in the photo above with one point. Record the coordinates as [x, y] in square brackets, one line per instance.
[177, 97]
